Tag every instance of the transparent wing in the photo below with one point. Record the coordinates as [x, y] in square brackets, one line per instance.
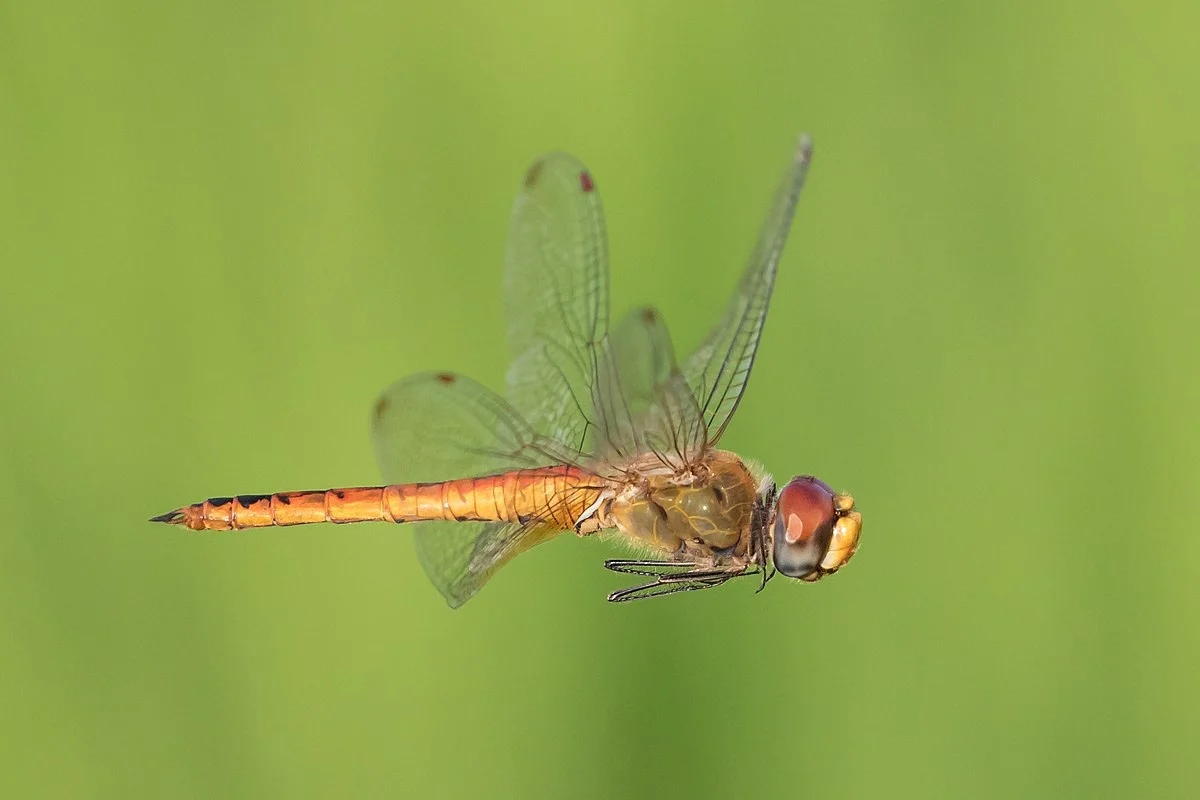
[438, 426]
[719, 369]
[649, 406]
[556, 298]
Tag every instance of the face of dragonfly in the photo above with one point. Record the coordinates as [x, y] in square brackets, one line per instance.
[816, 530]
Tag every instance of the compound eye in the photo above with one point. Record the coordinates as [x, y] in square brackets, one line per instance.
[804, 520]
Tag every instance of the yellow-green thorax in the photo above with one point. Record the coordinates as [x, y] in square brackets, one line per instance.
[702, 516]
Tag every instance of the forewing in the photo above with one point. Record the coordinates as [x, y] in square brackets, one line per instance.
[556, 297]
[719, 369]
[646, 406]
[438, 426]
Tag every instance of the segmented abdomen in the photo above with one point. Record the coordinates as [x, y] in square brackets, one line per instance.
[553, 496]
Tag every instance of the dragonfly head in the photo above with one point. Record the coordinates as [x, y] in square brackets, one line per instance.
[815, 531]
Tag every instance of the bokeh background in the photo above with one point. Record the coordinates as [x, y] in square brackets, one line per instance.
[225, 227]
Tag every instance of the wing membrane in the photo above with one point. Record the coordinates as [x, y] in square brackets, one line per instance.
[613, 395]
[556, 298]
[438, 426]
[719, 369]
[651, 409]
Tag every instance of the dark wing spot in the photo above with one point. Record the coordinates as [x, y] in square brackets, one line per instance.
[533, 175]
[650, 316]
[585, 182]
[446, 377]
[381, 406]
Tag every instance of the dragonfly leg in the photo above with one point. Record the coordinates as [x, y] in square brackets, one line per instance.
[760, 522]
[643, 567]
[658, 589]
[701, 575]
[673, 582]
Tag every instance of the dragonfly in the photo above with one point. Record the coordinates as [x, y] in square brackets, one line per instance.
[601, 429]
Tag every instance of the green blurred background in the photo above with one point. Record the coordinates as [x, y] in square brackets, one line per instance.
[224, 228]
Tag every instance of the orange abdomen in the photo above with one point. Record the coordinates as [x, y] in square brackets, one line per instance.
[552, 496]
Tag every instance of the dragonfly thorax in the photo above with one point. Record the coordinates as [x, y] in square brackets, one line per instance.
[702, 516]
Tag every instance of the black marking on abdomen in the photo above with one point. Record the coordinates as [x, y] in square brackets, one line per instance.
[217, 502]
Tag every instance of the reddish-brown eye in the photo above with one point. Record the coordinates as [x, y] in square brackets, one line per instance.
[804, 519]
